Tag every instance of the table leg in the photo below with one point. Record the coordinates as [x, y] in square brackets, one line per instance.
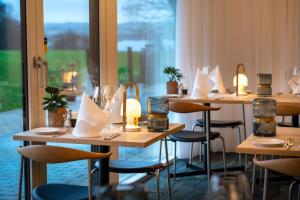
[102, 178]
[208, 159]
[295, 121]
[245, 134]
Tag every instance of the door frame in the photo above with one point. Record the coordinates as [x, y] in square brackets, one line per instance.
[33, 18]
[35, 48]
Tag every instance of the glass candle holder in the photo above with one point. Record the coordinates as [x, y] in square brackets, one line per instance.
[158, 109]
[264, 111]
[264, 82]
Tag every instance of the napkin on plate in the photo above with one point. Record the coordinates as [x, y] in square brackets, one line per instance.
[216, 76]
[90, 120]
[115, 115]
[294, 83]
[202, 85]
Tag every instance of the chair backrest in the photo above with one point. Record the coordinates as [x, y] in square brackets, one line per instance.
[55, 154]
[287, 110]
[188, 107]
[286, 166]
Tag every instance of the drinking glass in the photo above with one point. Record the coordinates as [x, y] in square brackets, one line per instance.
[108, 100]
[296, 71]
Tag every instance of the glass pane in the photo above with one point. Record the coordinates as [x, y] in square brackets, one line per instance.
[146, 44]
[72, 59]
[11, 112]
[72, 64]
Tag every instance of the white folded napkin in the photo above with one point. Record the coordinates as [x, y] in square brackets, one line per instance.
[202, 85]
[216, 76]
[90, 120]
[115, 115]
[294, 83]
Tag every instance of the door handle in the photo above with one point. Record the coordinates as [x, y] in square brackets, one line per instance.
[42, 66]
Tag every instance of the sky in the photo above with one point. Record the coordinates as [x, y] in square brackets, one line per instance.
[63, 11]
[57, 11]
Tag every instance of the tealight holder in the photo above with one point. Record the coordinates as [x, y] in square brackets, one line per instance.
[264, 111]
[264, 82]
[157, 118]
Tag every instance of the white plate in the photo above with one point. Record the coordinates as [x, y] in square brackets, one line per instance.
[174, 95]
[46, 130]
[268, 142]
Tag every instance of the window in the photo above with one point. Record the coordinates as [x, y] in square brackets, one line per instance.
[73, 47]
[146, 44]
[11, 106]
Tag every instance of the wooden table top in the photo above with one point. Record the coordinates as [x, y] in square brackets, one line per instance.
[142, 139]
[248, 147]
[232, 99]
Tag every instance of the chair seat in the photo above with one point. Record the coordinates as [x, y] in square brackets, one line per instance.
[219, 123]
[125, 166]
[60, 191]
[190, 136]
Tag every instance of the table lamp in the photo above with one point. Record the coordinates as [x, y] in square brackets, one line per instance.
[131, 110]
[240, 81]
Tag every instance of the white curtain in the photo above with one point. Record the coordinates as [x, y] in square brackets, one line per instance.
[262, 34]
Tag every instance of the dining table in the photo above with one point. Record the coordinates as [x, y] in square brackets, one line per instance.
[216, 98]
[141, 139]
[277, 145]
[253, 145]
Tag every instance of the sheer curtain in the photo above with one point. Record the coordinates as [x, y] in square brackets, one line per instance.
[262, 34]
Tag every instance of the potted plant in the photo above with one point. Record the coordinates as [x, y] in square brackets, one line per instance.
[174, 76]
[56, 105]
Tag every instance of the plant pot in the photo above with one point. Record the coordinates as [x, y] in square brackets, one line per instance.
[172, 87]
[56, 118]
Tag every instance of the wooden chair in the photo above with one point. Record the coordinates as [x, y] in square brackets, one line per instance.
[286, 110]
[287, 166]
[192, 136]
[53, 154]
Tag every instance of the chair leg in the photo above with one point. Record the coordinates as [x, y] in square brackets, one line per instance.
[291, 189]
[191, 153]
[168, 170]
[253, 177]
[20, 178]
[265, 194]
[200, 157]
[240, 141]
[90, 179]
[224, 154]
[157, 175]
[175, 149]
[160, 147]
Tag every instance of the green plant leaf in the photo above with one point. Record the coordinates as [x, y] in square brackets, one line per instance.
[52, 90]
[55, 100]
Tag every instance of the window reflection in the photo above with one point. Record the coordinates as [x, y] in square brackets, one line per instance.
[146, 44]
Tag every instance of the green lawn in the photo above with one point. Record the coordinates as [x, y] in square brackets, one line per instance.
[59, 60]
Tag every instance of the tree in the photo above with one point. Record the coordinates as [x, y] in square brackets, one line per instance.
[10, 32]
[69, 40]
